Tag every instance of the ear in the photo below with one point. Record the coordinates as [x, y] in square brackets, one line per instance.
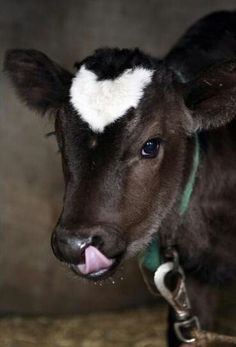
[211, 98]
[39, 82]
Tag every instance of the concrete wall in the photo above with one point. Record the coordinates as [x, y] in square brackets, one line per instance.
[31, 280]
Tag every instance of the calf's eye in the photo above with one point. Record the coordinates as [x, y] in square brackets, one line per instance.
[151, 148]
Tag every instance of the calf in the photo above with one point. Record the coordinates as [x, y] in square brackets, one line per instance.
[128, 127]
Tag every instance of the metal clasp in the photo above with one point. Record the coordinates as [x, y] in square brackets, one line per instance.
[169, 280]
[183, 329]
[175, 293]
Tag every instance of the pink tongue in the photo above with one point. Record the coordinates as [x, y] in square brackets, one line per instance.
[94, 261]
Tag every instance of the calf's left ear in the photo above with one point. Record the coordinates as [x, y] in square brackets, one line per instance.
[211, 98]
[41, 83]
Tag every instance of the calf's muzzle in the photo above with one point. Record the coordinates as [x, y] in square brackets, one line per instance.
[90, 251]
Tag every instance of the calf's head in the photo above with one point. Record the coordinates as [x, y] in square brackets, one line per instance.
[124, 128]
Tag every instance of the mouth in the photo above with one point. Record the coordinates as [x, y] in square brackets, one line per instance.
[96, 265]
[100, 274]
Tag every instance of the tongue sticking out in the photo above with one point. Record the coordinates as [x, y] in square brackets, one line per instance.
[94, 261]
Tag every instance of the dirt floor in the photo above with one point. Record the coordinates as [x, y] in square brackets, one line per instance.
[137, 328]
[133, 328]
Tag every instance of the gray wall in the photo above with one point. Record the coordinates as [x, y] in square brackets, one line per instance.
[31, 280]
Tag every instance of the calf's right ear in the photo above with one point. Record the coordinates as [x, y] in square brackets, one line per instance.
[40, 83]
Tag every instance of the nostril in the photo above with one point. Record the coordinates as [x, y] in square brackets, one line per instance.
[97, 241]
[81, 258]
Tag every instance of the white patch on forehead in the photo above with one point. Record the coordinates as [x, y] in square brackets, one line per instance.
[100, 103]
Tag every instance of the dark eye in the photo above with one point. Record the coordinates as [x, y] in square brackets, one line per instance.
[151, 148]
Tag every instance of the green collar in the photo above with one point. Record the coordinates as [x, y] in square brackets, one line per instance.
[187, 193]
[151, 258]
